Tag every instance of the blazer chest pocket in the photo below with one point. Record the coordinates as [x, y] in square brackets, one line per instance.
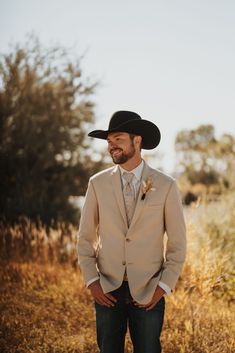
[155, 205]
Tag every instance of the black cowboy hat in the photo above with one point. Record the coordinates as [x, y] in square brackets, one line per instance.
[126, 121]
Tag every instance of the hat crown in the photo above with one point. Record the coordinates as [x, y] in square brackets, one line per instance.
[131, 123]
[120, 117]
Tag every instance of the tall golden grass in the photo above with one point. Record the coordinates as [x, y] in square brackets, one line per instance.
[45, 307]
[33, 242]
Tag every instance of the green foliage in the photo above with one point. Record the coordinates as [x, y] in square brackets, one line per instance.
[45, 112]
[205, 159]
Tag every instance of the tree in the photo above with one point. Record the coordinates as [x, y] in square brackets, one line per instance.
[205, 159]
[45, 112]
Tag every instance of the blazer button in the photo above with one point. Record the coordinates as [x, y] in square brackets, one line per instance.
[128, 239]
[124, 263]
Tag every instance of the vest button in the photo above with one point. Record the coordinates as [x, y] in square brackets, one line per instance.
[128, 239]
[124, 263]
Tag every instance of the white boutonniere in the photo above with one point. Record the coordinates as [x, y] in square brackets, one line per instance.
[147, 186]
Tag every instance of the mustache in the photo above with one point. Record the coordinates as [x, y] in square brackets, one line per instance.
[115, 149]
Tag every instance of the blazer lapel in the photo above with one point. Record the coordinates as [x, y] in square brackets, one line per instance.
[117, 188]
[147, 172]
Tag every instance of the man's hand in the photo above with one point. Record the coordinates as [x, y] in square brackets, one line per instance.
[158, 294]
[103, 299]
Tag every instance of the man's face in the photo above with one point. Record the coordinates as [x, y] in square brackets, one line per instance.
[121, 147]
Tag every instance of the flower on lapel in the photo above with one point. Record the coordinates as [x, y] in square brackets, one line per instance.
[147, 186]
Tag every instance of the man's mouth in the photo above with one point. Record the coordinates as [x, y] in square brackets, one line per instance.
[116, 153]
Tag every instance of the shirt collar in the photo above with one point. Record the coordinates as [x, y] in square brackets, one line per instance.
[137, 171]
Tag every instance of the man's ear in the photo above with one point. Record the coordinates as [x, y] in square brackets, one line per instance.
[138, 140]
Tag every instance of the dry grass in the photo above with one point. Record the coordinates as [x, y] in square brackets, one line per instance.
[45, 308]
[31, 242]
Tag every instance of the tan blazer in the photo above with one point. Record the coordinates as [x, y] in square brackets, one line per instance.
[106, 246]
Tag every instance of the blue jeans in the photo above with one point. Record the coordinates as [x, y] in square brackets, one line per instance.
[144, 326]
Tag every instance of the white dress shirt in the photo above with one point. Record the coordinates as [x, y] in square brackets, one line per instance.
[136, 183]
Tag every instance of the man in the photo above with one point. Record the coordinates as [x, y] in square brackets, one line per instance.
[127, 210]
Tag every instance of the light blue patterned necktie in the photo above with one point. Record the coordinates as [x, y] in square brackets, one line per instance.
[129, 196]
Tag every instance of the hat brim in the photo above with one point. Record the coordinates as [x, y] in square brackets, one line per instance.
[149, 132]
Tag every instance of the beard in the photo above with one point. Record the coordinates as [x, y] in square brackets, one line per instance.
[120, 157]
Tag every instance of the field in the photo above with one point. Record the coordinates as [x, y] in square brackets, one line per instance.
[45, 307]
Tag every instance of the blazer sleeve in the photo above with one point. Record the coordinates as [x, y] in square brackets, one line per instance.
[176, 237]
[87, 235]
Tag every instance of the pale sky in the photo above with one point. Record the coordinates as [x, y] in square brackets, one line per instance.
[171, 61]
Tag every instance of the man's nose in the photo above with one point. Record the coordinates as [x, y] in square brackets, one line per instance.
[112, 145]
